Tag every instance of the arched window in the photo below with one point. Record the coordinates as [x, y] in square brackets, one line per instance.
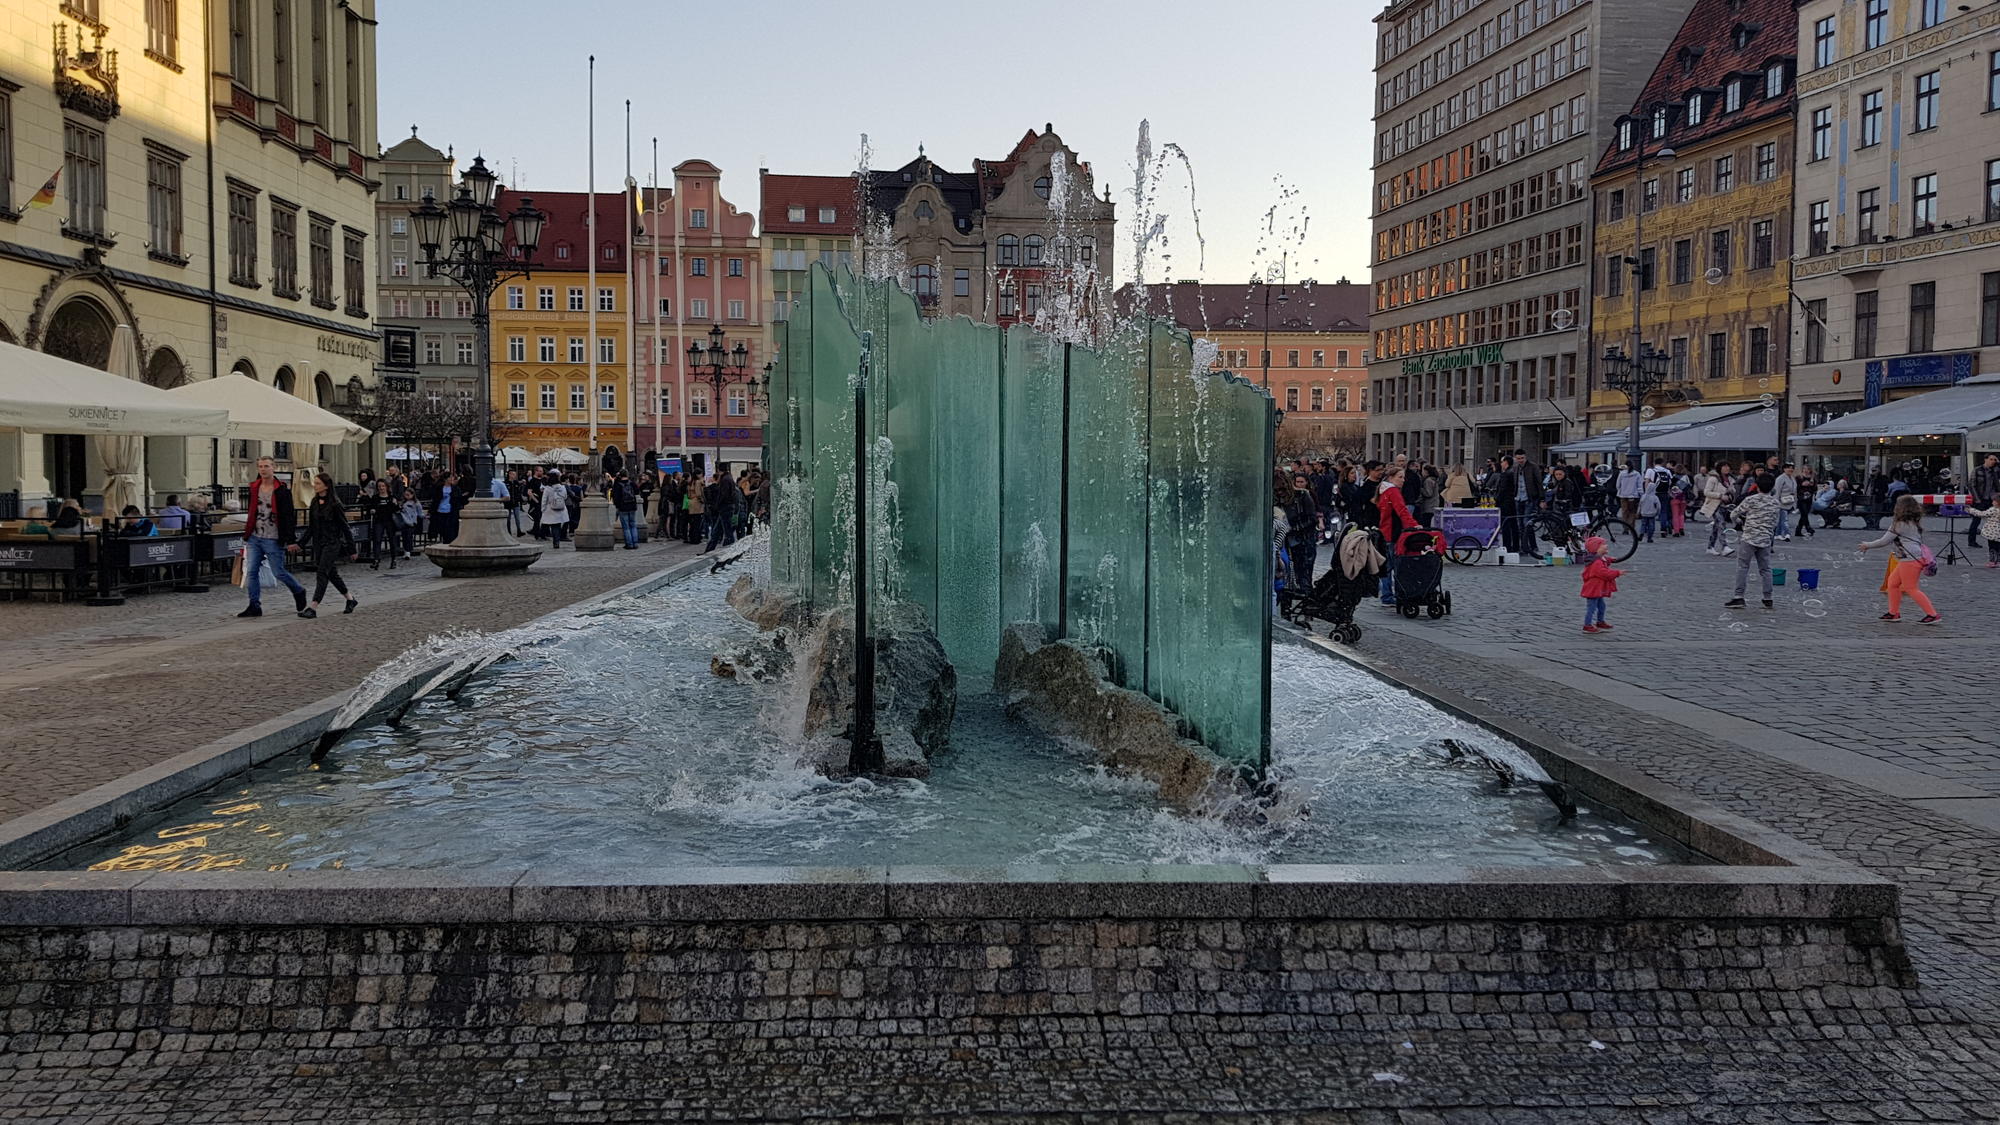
[1042, 187]
[924, 282]
[1010, 250]
[924, 210]
[1033, 245]
[1062, 250]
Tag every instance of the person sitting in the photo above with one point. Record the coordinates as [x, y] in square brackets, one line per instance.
[133, 524]
[69, 517]
[173, 517]
[37, 522]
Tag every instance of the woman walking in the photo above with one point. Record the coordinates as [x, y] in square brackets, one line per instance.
[379, 506]
[555, 510]
[330, 542]
[1396, 519]
[1908, 560]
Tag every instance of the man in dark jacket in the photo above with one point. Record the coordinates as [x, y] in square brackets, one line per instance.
[625, 499]
[270, 534]
[1985, 487]
[1518, 490]
[1357, 498]
[719, 500]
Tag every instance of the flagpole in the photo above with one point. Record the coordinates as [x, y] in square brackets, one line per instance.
[631, 299]
[590, 294]
[680, 319]
[653, 309]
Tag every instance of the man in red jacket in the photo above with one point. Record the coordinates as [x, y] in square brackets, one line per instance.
[270, 535]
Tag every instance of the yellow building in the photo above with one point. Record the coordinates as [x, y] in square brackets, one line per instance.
[562, 345]
[1693, 201]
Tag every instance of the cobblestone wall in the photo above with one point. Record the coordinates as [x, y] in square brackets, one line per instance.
[72, 995]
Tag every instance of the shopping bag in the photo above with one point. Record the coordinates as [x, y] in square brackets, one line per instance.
[236, 574]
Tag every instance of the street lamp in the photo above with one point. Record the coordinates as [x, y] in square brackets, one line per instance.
[1642, 351]
[1636, 377]
[717, 364]
[762, 399]
[471, 244]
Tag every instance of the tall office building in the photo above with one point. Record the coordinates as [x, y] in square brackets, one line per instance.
[1490, 115]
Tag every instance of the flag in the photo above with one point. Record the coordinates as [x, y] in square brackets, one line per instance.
[639, 210]
[47, 195]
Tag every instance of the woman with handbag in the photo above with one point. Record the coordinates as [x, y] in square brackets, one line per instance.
[329, 540]
[1910, 560]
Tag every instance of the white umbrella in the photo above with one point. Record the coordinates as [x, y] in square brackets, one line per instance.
[260, 412]
[42, 394]
[514, 455]
[124, 455]
[401, 454]
[562, 457]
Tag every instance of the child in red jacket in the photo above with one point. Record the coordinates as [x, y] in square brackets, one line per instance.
[1600, 581]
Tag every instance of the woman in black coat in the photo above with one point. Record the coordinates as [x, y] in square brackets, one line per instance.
[328, 539]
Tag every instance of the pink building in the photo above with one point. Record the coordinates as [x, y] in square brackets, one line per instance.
[698, 267]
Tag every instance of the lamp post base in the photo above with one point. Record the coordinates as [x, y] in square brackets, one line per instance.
[594, 530]
[483, 546]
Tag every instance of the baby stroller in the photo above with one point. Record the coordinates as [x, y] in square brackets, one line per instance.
[1419, 574]
[1334, 594]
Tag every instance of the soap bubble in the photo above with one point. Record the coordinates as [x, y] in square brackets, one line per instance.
[1739, 627]
[1767, 400]
[1814, 607]
[1708, 432]
[1647, 411]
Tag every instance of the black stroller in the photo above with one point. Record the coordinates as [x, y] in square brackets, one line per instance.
[1333, 596]
[1419, 574]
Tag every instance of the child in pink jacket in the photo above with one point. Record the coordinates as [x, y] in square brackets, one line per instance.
[1600, 581]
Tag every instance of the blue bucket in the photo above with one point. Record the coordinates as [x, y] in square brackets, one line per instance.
[1808, 578]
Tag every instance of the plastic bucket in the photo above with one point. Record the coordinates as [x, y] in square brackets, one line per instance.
[1777, 576]
[1509, 558]
[1808, 578]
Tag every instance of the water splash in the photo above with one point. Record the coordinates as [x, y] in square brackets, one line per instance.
[1035, 564]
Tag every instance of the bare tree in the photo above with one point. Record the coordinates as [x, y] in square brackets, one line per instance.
[1314, 438]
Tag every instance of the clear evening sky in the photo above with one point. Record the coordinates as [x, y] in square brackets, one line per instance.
[1270, 99]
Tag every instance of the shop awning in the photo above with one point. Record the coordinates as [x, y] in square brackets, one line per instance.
[1946, 412]
[1655, 430]
[42, 394]
[261, 412]
[1749, 428]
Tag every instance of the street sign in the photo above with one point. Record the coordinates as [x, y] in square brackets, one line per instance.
[404, 383]
[399, 348]
[670, 464]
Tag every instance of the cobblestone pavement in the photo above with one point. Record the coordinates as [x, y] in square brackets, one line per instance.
[93, 693]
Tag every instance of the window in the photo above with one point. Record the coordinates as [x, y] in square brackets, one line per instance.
[1648, 270]
[399, 306]
[1677, 350]
[1292, 400]
[1031, 249]
[1993, 80]
[667, 391]
[961, 283]
[399, 266]
[698, 401]
[1989, 310]
[607, 350]
[1614, 276]
[1767, 162]
[1823, 42]
[1683, 261]
[433, 308]
[697, 267]
[1819, 226]
[1625, 136]
[698, 218]
[548, 396]
[1649, 197]
[1875, 25]
[517, 349]
[736, 267]
[319, 235]
[1032, 300]
[1720, 256]
[1660, 116]
[463, 349]
[826, 215]
[1923, 203]
[517, 396]
[6, 149]
[1615, 206]
[1867, 206]
[1760, 351]
[666, 308]
[1763, 248]
[1993, 191]
[163, 28]
[1774, 81]
[83, 176]
[242, 234]
[1933, 12]
[1318, 399]
[925, 210]
[1718, 355]
[1007, 305]
[1866, 313]
[736, 310]
[607, 396]
[576, 349]
[578, 398]
[607, 300]
[610, 251]
[240, 56]
[1923, 316]
[1822, 133]
[738, 400]
[1816, 331]
[698, 308]
[163, 204]
[1927, 100]
[464, 307]
[562, 251]
[1732, 96]
[545, 349]
[399, 226]
[1725, 173]
[545, 298]
[354, 273]
[1292, 358]
[1871, 119]
[576, 298]
[1042, 187]
[793, 214]
[1684, 185]
[1694, 109]
[433, 349]
[1009, 249]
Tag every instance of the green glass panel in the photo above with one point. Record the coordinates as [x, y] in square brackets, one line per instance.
[907, 372]
[1106, 582]
[1031, 373]
[968, 496]
[836, 357]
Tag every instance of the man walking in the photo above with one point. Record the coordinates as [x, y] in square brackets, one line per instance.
[1630, 481]
[719, 500]
[1787, 496]
[626, 500]
[1523, 483]
[1757, 518]
[269, 534]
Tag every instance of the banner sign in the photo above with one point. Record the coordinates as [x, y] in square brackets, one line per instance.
[670, 464]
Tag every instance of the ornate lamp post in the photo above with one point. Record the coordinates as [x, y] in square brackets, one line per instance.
[761, 399]
[467, 242]
[1635, 378]
[717, 364]
[1640, 125]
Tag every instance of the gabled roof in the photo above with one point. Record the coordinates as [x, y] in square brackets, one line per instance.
[414, 150]
[1309, 306]
[568, 223]
[779, 194]
[1703, 56]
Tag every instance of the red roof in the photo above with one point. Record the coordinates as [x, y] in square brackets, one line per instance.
[568, 225]
[1309, 306]
[1704, 57]
[777, 195]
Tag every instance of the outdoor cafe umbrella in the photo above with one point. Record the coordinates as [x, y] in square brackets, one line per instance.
[42, 394]
[561, 457]
[124, 455]
[260, 412]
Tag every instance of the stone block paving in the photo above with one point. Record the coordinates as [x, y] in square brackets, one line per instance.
[93, 693]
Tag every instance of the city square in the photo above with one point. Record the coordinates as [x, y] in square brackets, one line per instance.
[591, 637]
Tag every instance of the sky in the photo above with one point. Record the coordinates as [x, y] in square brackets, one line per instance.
[1269, 99]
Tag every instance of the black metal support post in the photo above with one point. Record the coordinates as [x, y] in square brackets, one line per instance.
[865, 752]
[1062, 535]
